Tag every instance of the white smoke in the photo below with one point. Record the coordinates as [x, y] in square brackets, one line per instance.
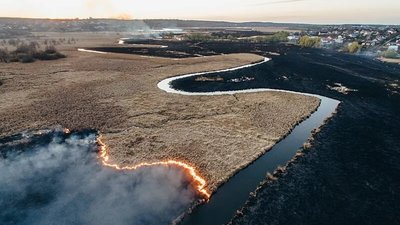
[61, 182]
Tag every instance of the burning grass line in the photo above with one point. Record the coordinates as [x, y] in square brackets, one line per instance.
[199, 182]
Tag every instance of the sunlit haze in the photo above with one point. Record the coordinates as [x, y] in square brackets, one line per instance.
[298, 11]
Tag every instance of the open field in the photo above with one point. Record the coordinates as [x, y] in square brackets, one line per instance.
[117, 94]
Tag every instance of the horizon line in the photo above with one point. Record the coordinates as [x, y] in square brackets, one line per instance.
[201, 20]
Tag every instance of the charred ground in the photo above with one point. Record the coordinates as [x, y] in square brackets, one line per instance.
[350, 175]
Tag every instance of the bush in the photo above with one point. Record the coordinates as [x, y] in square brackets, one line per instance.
[4, 55]
[51, 50]
[309, 42]
[27, 49]
[353, 47]
[390, 54]
[27, 53]
[25, 58]
[50, 53]
[43, 55]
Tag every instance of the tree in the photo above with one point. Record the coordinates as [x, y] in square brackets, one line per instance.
[354, 47]
[309, 42]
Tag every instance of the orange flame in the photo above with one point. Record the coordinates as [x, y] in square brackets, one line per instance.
[201, 182]
[66, 131]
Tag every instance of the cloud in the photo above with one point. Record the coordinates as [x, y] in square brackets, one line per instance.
[57, 180]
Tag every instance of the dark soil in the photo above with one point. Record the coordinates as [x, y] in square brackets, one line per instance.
[351, 174]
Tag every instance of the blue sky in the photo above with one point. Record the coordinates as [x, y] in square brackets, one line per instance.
[308, 11]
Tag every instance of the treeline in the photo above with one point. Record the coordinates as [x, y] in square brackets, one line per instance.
[315, 42]
[31, 52]
[281, 36]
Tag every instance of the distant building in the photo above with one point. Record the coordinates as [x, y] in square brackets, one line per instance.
[323, 33]
[391, 31]
[293, 39]
[339, 40]
[326, 41]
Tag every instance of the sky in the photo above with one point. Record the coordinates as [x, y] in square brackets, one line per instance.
[297, 11]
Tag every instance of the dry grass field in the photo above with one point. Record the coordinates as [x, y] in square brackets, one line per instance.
[117, 94]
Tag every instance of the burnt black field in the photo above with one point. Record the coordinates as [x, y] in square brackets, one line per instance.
[351, 175]
[174, 49]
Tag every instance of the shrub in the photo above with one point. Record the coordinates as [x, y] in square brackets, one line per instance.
[25, 58]
[50, 53]
[27, 53]
[26, 49]
[390, 54]
[309, 42]
[4, 55]
[353, 47]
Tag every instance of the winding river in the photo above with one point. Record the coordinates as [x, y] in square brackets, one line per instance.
[232, 195]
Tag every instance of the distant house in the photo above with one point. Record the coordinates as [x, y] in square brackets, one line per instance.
[293, 39]
[323, 33]
[339, 40]
[391, 31]
[327, 42]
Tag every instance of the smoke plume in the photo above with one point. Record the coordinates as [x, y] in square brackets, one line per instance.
[53, 179]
